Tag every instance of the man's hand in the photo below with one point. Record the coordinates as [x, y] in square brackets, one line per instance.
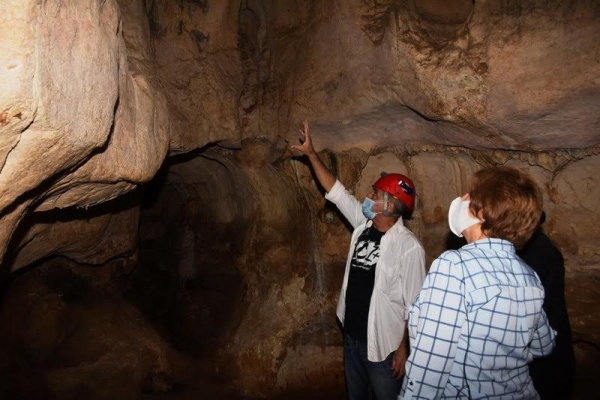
[324, 176]
[306, 147]
[399, 360]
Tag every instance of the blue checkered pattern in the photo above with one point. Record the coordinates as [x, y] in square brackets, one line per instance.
[475, 326]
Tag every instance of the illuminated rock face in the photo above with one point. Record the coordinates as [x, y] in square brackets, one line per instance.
[83, 120]
[234, 245]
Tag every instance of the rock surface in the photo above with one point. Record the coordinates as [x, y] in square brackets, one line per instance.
[89, 115]
[83, 120]
[203, 97]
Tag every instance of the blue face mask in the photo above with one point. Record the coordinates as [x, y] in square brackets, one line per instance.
[367, 206]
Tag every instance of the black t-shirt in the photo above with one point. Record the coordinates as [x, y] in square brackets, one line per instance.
[360, 283]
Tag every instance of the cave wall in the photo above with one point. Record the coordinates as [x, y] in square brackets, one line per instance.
[269, 225]
[99, 97]
[475, 74]
[83, 119]
[249, 223]
[89, 115]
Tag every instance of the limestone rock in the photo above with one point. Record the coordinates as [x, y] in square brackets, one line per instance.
[195, 46]
[103, 233]
[575, 190]
[87, 116]
[96, 124]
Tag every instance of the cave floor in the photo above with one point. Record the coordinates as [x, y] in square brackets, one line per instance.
[200, 382]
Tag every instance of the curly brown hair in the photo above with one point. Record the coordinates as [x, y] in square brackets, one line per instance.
[508, 201]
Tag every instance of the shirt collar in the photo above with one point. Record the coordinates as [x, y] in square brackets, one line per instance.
[491, 243]
[398, 226]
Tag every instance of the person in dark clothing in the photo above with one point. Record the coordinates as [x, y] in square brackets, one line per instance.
[552, 376]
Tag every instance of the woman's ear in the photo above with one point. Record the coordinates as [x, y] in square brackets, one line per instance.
[480, 216]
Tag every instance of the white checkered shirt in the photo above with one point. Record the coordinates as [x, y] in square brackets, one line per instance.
[475, 326]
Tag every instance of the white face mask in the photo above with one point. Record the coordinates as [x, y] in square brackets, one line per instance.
[459, 218]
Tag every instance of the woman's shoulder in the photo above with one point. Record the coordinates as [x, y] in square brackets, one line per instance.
[447, 261]
[453, 255]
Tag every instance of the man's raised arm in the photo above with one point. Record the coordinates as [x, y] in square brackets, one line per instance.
[323, 174]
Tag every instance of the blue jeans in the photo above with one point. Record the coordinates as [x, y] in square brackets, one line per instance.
[365, 379]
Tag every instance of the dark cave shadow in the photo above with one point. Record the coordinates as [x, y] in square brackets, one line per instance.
[119, 204]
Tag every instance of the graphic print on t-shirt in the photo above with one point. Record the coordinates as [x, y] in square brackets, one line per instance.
[366, 253]
[360, 283]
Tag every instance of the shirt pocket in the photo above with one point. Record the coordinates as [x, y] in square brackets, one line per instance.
[388, 279]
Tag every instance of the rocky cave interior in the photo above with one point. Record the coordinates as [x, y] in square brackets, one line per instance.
[160, 240]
